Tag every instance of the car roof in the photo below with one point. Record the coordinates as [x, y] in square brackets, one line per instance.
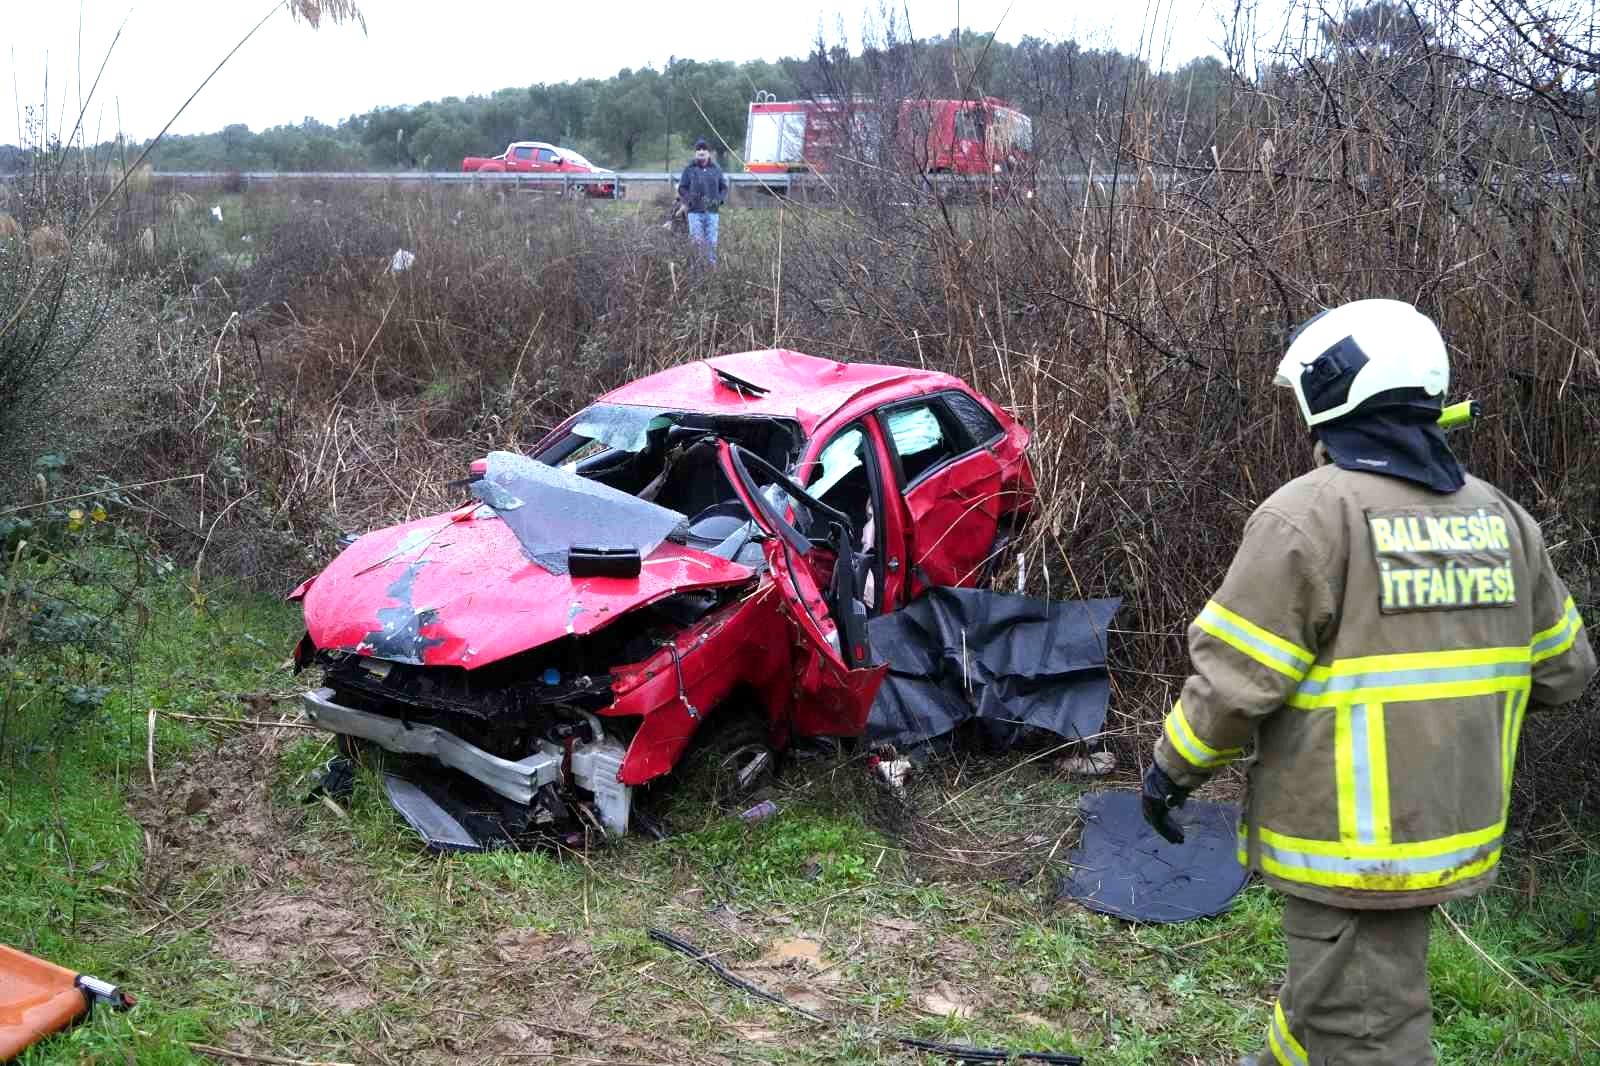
[797, 386]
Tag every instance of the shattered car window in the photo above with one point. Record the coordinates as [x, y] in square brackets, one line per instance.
[552, 511]
[620, 426]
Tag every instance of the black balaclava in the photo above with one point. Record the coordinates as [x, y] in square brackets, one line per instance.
[1399, 438]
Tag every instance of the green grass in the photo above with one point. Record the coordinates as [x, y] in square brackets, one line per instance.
[328, 937]
[73, 861]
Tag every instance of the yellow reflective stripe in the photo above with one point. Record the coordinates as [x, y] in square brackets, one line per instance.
[1444, 690]
[1413, 676]
[1516, 734]
[1380, 868]
[1266, 648]
[1419, 660]
[1511, 730]
[1344, 765]
[1568, 609]
[1378, 763]
[1376, 878]
[1558, 638]
[1361, 772]
[1508, 715]
[1194, 750]
[1418, 849]
[1285, 1048]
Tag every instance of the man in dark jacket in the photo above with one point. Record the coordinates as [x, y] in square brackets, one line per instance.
[702, 188]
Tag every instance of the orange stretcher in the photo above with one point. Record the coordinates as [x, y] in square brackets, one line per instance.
[38, 998]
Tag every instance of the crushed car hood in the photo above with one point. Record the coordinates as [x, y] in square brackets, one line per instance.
[457, 589]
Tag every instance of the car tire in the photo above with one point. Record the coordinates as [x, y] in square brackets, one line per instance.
[737, 756]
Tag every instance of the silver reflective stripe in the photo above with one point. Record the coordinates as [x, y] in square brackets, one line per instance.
[1366, 833]
[1211, 617]
[1407, 678]
[1376, 867]
[1571, 621]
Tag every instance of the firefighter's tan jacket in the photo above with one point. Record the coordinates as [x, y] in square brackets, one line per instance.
[1380, 643]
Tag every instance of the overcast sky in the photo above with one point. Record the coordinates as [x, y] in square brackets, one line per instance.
[415, 50]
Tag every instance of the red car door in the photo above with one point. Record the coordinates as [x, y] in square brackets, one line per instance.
[848, 473]
[832, 697]
[520, 159]
[953, 489]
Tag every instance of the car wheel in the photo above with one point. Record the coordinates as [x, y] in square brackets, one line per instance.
[735, 758]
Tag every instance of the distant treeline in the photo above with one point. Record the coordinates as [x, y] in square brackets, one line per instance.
[648, 117]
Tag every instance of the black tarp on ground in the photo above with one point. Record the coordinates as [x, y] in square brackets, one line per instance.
[1013, 662]
[1122, 867]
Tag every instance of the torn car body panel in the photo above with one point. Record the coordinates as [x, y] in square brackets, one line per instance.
[747, 648]
[461, 592]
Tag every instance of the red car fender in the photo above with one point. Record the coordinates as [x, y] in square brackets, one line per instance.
[1019, 492]
[744, 645]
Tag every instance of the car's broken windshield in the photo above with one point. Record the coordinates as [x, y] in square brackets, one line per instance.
[553, 511]
[663, 455]
[621, 426]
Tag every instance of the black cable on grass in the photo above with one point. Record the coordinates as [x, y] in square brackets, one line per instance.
[715, 965]
[959, 1052]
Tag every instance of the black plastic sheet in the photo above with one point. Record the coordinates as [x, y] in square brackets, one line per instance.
[1122, 867]
[553, 510]
[1015, 663]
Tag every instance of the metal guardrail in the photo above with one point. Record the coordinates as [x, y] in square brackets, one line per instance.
[622, 179]
[566, 179]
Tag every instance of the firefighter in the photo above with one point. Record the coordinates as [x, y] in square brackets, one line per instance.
[1386, 624]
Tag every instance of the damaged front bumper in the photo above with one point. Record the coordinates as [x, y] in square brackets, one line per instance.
[593, 766]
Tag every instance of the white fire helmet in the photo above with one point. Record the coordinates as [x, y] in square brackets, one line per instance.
[1345, 356]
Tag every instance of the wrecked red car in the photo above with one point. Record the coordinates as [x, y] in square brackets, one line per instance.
[699, 548]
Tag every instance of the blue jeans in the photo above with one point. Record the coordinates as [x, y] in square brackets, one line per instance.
[703, 230]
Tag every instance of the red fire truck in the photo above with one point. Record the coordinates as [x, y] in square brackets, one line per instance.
[938, 136]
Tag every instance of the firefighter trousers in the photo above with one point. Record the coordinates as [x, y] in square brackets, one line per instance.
[1357, 989]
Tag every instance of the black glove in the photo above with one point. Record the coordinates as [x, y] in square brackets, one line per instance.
[1160, 794]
